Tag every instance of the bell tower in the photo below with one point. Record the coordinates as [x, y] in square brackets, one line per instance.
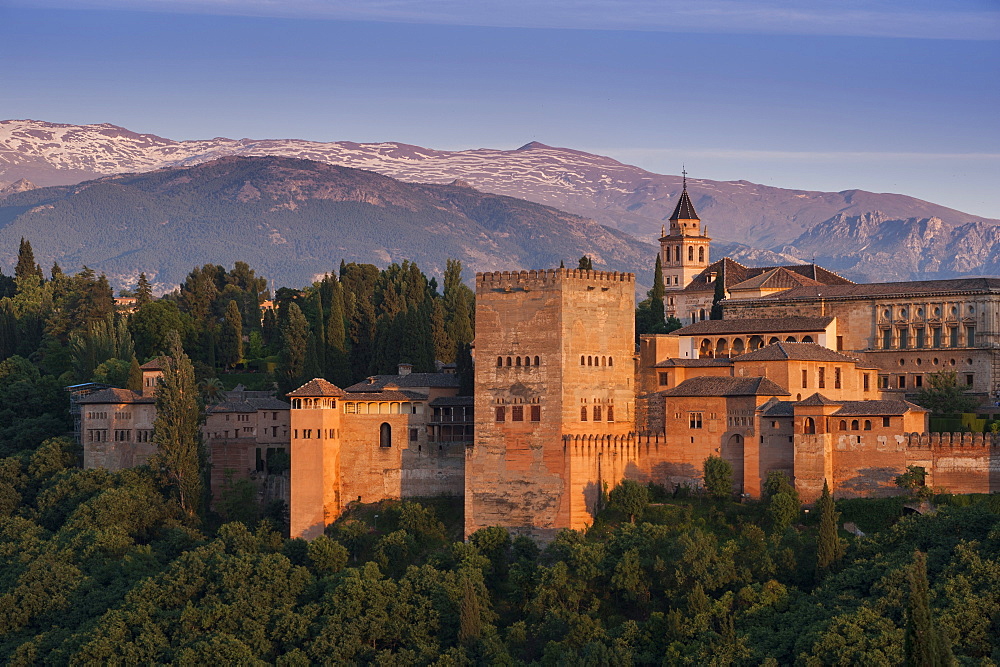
[684, 251]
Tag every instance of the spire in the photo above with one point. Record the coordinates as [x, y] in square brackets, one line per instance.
[685, 209]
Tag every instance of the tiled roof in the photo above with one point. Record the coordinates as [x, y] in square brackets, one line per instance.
[875, 290]
[735, 273]
[695, 363]
[445, 401]
[776, 408]
[796, 352]
[684, 209]
[157, 364]
[752, 325]
[377, 382]
[385, 395]
[818, 399]
[249, 405]
[726, 386]
[877, 408]
[317, 387]
[778, 278]
[115, 395]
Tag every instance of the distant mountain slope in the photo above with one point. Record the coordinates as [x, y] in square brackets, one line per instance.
[597, 187]
[292, 219]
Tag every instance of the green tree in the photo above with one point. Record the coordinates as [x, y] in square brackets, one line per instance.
[179, 455]
[782, 510]
[829, 547]
[134, 381]
[924, 645]
[718, 476]
[143, 291]
[586, 263]
[464, 369]
[470, 626]
[944, 395]
[913, 479]
[327, 556]
[231, 338]
[26, 265]
[720, 293]
[656, 295]
[630, 498]
[295, 343]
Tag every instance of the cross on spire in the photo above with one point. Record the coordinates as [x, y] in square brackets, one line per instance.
[684, 172]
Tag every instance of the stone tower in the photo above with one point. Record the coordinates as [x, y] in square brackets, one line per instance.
[684, 251]
[554, 358]
[315, 457]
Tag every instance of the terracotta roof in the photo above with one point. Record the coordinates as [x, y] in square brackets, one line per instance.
[115, 395]
[877, 408]
[777, 278]
[776, 408]
[317, 387]
[735, 273]
[249, 405]
[445, 401]
[752, 325]
[377, 382]
[796, 352]
[385, 395]
[874, 290]
[818, 399]
[726, 386]
[695, 363]
[157, 364]
[684, 209]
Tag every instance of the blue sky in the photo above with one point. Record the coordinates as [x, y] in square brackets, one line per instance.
[888, 96]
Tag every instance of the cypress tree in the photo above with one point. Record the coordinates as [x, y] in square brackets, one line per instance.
[464, 369]
[143, 291]
[656, 317]
[444, 346]
[26, 265]
[177, 430]
[269, 331]
[923, 644]
[720, 293]
[231, 340]
[134, 377]
[470, 624]
[295, 339]
[311, 367]
[829, 546]
[338, 363]
[319, 333]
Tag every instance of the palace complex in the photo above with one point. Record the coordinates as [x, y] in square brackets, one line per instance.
[807, 373]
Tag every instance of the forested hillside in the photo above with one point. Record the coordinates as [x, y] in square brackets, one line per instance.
[291, 220]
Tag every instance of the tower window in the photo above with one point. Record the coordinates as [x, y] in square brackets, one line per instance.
[501, 414]
[517, 413]
[690, 253]
[536, 413]
[701, 255]
[597, 413]
[385, 435]
[583, 413]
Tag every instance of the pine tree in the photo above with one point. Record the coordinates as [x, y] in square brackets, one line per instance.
[231, 338]
[179, 455]
[143, 291]
[134, 377]
[57, 271]
[26, 265]
[829, 546]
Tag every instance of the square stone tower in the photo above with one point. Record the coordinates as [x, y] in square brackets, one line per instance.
[554, 359]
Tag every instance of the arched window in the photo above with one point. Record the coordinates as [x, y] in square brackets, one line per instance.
[499, 362]
[773, 340]
[527, 361]
[536, 360]
[843, 424]
[611, 361]
[809, 426]
[590, 361]
[738, 347]
[854, 424]
[611, 413]
[790, 339]
[677, 254]
[583, 413]
[604, 361]
[508, 361]
[385, 435]
[582, 360]
[597, 413]
[868, 424]
[701, 314]
[690, 253]
[517, 361]
[807, 339]
[701, 254]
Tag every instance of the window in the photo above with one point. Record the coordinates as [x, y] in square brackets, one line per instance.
[350, 408]
[855, 425]
[385, 435]
[968, 379]
[701, 254]
[843, 424]
[499, 362]
[840, 343]
[611, 413]
[936, 336]
[501, 413]
[836, 378]
[694, 420]
[904, 338]
[536, 360]
[953, 336]
[921, 338]
[918, 381]
[886, 339]
[809, 426]
[583, 413]
[536, 413]
[517, 413]
[690, 253]
[307, 433]
[805, 379]
[597, 413]
[867, 382]
[664, 379]
[414, 434]
[901, 383]
[822, 378]
[886, 422]
[970, 336]
[868, 424]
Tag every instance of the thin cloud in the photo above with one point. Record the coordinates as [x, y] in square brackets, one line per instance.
[961, 19]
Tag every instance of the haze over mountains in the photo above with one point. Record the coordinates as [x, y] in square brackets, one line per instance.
[863, 235]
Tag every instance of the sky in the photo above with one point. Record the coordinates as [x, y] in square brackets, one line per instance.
[881, 95]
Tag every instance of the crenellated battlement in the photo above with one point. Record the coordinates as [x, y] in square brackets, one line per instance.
[952, 440]
[541, 278]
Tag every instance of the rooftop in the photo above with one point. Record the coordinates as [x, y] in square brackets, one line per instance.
[735, 273]
[796, 352]
[777, 278]
[726, 386]
[116, 395]
[317, 387]
[378, 382]
[755, 325]
[695, 363]
[684, 209]
[385, 395]
[875, 290]
[877, 408]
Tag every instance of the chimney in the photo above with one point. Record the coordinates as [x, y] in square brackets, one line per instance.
[371, 379]
[405, 369]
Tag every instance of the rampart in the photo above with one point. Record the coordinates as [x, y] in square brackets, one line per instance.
[539, 278]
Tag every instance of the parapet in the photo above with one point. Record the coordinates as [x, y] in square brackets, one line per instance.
[543, 278]
[606, 441]
[951, 440]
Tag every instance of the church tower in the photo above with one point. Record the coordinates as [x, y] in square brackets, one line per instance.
[684, 251]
